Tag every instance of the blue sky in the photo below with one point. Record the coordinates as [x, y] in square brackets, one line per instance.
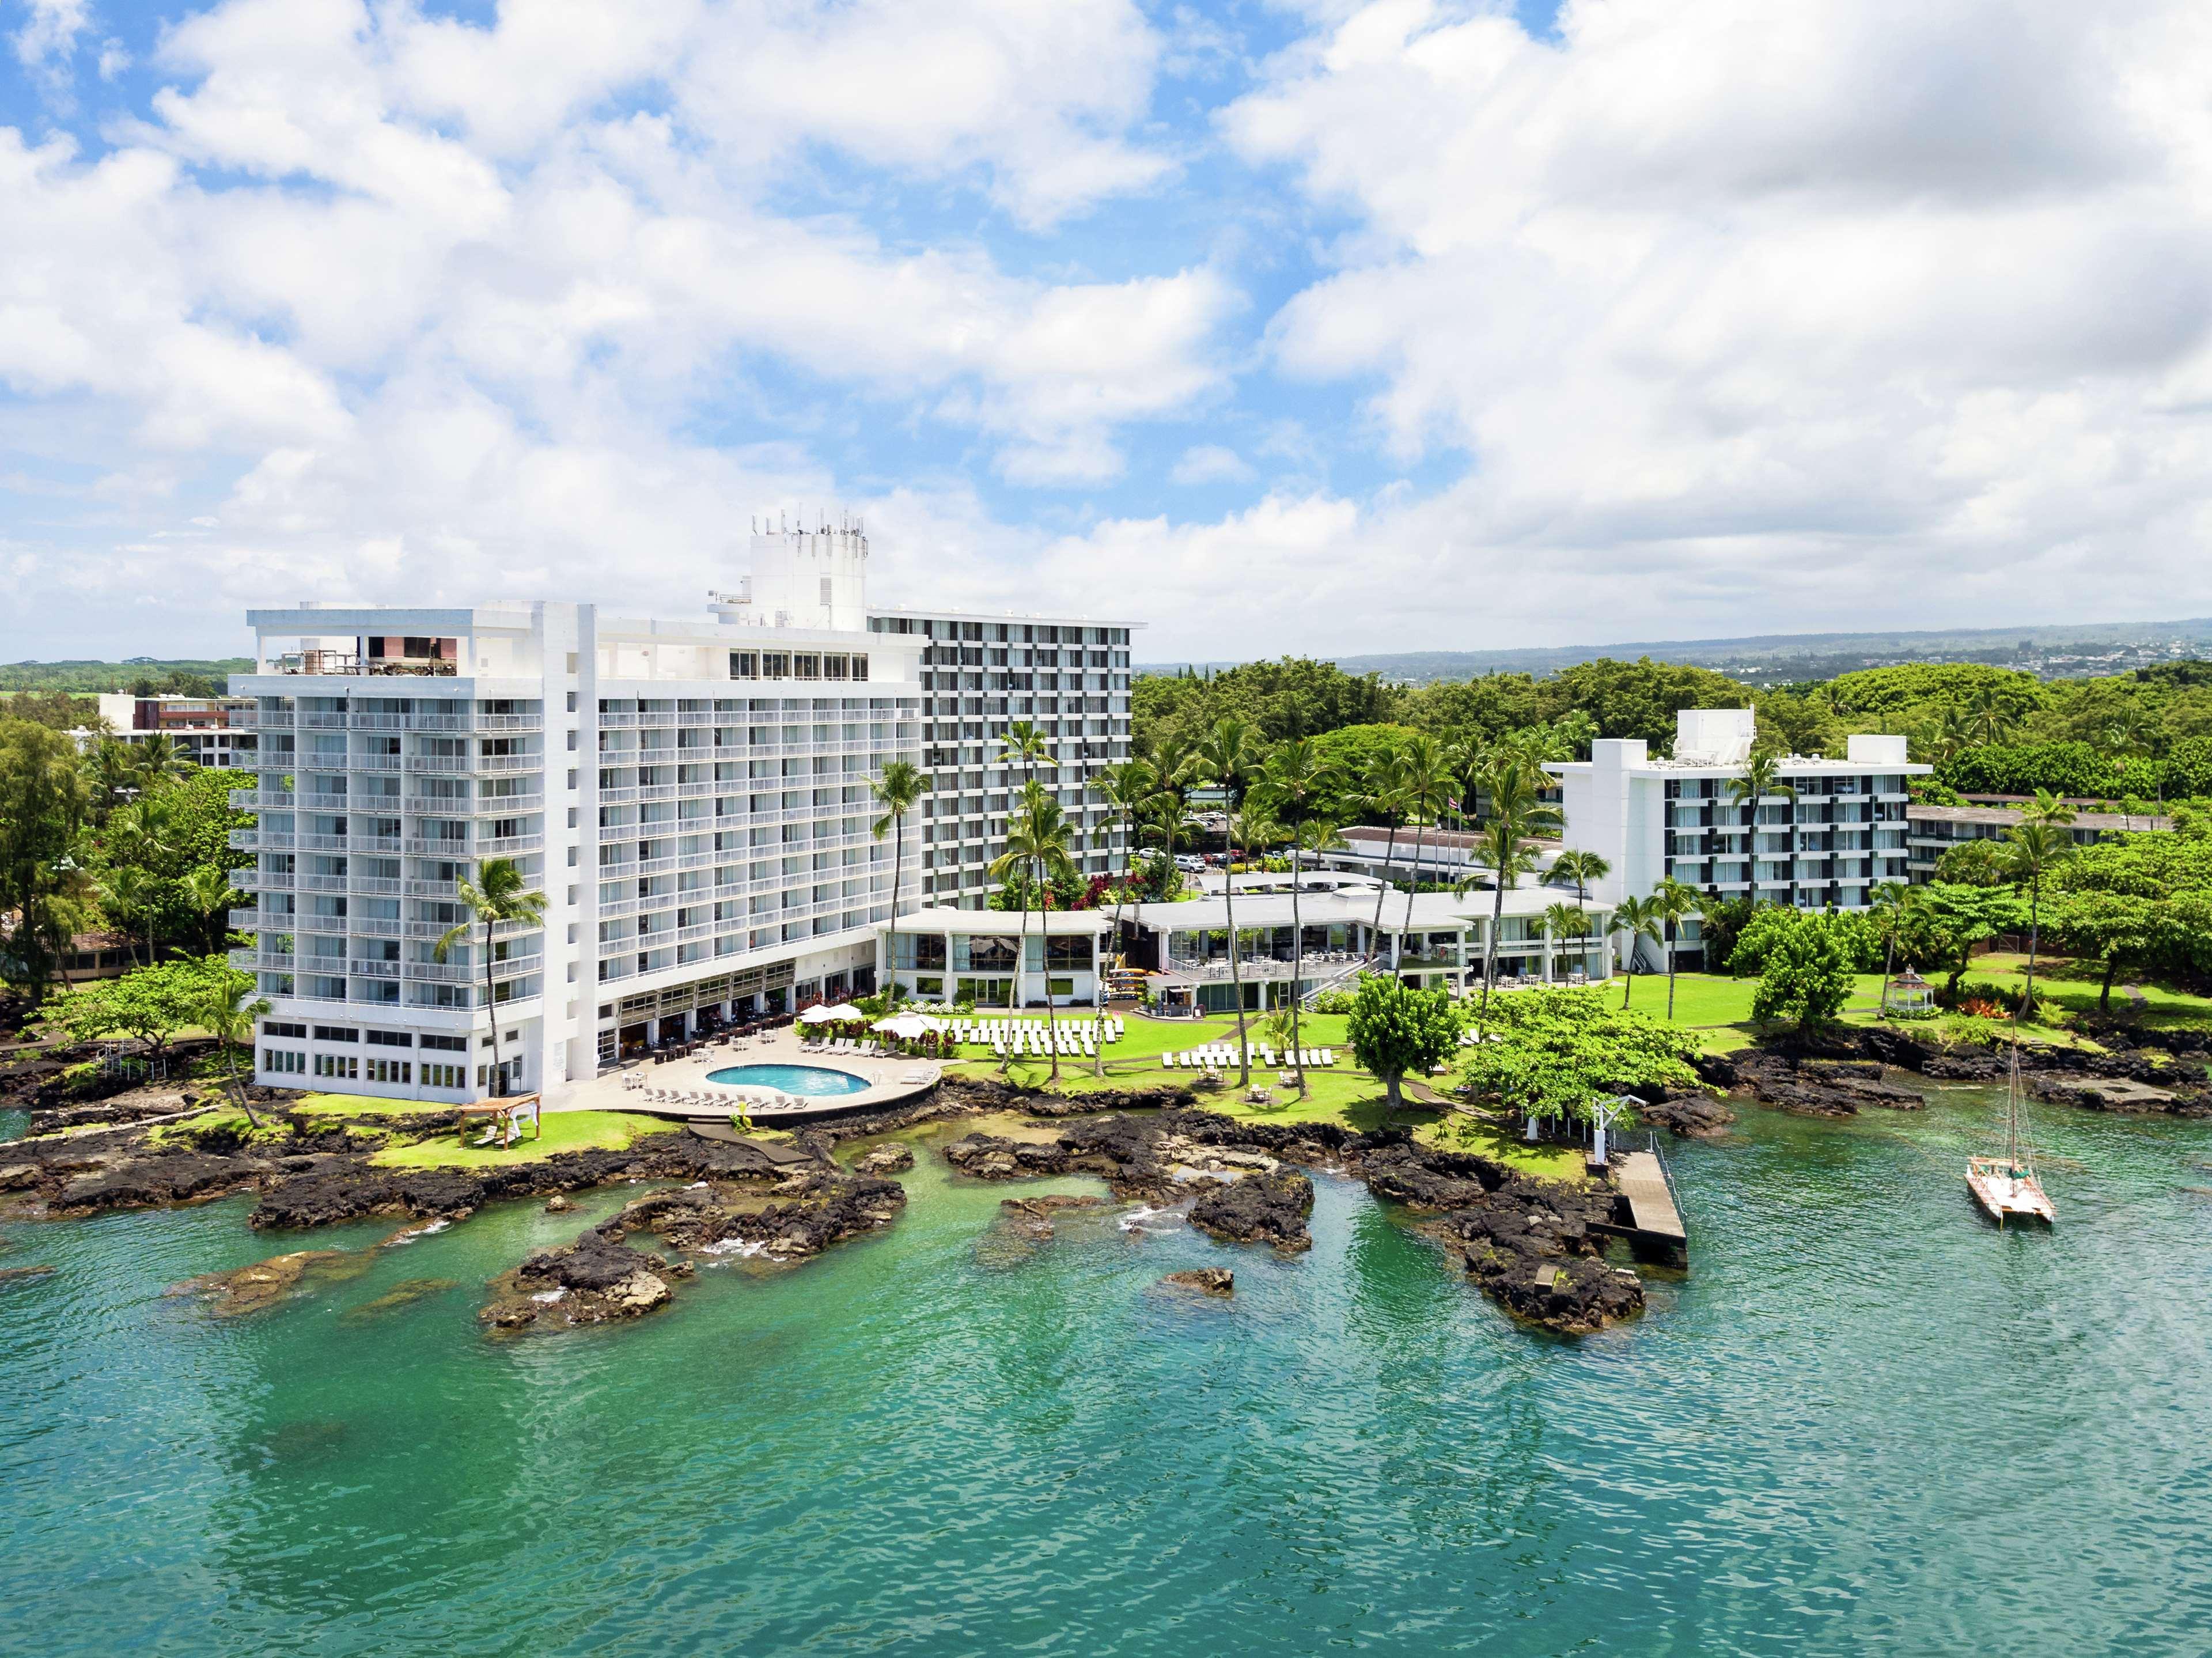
[1322, 327]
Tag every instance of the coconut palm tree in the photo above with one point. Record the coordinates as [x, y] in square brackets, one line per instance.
[230, 1014]
[112, 769]
[1036, 851]
[1893, 905]
[1639, 918]
[1505, 844]
[1299, 780]
[497, 897]
[1226, 757]
[160, 758]
[1674, 901]
[126, 895]
[2040, 843]
[1761, 776]
[1987, 717]
[1584, 869]
[898, 791]
[207, 889]
[1565, 920]
[1023, 743]
[1128, 790]
[1389, 796]
[1432, 781]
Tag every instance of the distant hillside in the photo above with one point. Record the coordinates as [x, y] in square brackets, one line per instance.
[2059, 652]
[189, 677]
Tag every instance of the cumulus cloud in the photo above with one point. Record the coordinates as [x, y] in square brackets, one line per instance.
[48, 36]
[1210, 463]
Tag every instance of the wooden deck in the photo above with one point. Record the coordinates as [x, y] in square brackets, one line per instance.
[1653, 1223]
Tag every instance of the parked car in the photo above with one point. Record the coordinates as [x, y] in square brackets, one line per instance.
[1189, 863]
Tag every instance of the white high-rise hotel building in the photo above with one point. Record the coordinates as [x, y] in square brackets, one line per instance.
[691, 796]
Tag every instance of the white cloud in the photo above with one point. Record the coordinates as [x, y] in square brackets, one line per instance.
[1784, 301]
[1209, 462]
[48, 35]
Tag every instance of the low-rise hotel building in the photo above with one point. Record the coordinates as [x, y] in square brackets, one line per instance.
[692, 796]
[1838, 833]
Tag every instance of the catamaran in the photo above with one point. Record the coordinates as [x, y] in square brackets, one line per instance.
[2006, 1186]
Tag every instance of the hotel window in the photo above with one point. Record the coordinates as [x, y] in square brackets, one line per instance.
[389, 1071]
[833, 667]
[344, 1066]
[744, 665]
[775, 664]
[444, 1076]
[805, 664]
[283, 1060]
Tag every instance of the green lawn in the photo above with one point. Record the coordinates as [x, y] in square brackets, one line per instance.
[1485, 1138]
[365, 1105]
[2073, 986]
[565, 1131]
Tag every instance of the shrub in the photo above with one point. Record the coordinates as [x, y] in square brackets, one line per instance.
[1806, 978]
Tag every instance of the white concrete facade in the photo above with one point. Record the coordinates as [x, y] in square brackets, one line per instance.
[1839, 834]
[691, 796]
[950, 954]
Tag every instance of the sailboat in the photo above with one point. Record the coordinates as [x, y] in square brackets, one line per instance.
[2006, 1186]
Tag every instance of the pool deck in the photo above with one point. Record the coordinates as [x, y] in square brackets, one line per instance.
[888, 1083]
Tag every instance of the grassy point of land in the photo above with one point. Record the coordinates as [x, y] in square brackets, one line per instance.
[1486, 1137]
[565, 1131]
[364, 1105]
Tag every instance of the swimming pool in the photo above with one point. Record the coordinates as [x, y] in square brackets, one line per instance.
[812, 1079]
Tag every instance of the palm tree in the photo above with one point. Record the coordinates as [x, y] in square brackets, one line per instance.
[1226, 757]
[1584, 869]
[1297, 779]
[1639, 918]
[1892, 904]
[112, 768]
[1036, 851]
[1674, 901]
[1128, 789]
[160, 758]
[1505, 844]
[208, 890]
[1389, 796]
[496, 897]
[126, 894]
[230, 1016]
[2040, 843]
[1024, 744]
[1432, 781]
[898, 791]
[1761, 776]
[1564, 921]
[1986, 716]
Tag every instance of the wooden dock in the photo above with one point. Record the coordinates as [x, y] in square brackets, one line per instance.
[1654, 1224]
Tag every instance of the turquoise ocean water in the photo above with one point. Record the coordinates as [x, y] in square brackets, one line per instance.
[1866, 1423]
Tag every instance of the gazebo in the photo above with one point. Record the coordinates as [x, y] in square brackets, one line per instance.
[1910, 997]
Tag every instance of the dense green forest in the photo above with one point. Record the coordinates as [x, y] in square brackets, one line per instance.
[185, 677]
[2147, 733]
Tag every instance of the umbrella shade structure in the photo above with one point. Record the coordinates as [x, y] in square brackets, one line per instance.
[822, 1016]
[846, 1011]
[908, 1026]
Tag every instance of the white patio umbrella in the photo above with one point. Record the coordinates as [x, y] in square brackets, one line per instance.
[820, 1015]
[907, 1026]
[846, 1011]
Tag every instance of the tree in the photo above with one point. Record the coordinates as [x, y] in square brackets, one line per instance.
[1296, 780]
[1893, 905]
[1036, 848]
[1023, 743]
[1639, 918]
[1556, 1050]
[1584, 869]
[1564, 921]
[1389, 796]
[208, 893]
[160, 759]
[1395, 1030]
[1226, 758]
[1675, 902]
[1807, 976]
[149, 1004]
[2040, 843]
[1971, 863]
[1128, 790]
[1431, 782]
[495, 898]
[126, 894]
[2114, 929]
[1951, 918]
[1505, 846]
[229, 1009]
[1760, 778]
[898, 791]
[42, 811]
